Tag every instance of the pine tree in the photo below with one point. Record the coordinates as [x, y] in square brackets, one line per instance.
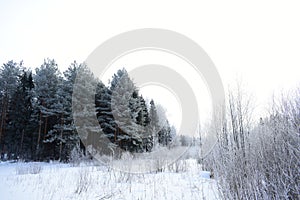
[71, 136]
[47, 81]
[125, 111]
[9, 75]
[63, 134]
[83, 108]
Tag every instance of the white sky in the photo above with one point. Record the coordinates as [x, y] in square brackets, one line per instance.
[258, 41]
[163, 94]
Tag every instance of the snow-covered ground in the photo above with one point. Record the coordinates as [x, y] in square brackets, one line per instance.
[63, 181]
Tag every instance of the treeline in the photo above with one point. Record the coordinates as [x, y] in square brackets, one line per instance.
[36, 120]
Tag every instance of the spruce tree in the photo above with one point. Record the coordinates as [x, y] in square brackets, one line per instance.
[19, 144]
[104, 113]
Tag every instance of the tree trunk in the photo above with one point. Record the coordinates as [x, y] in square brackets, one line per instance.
[61, 135]
[39, 134]
[3, 123]
[21, 146]
[45, 128]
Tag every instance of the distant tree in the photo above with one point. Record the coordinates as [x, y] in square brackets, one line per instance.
[154, 125]
[143, 119]
[164, 133]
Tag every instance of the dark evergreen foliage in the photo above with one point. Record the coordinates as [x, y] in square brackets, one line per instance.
[36, 120]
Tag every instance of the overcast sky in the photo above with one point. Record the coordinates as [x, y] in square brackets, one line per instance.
[258, 41]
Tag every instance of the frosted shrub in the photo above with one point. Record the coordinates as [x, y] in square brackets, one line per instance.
[76, 156]
[178, 166]
[32, 168]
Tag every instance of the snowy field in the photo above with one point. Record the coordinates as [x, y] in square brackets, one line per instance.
[183, 180]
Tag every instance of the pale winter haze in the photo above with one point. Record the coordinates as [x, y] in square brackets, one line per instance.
[258, 41]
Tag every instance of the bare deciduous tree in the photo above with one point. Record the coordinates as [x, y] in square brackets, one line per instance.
[257, 161]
